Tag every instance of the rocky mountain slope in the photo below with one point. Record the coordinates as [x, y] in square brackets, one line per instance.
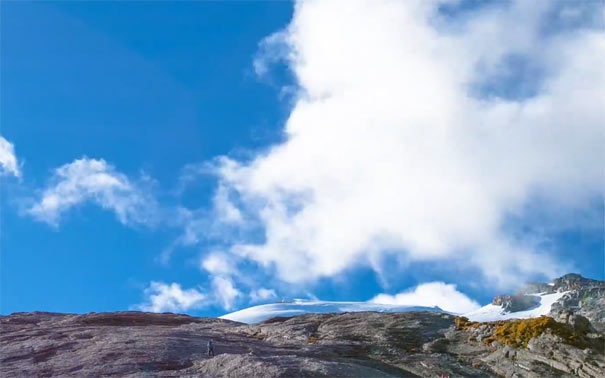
[569, 293]
[355, 344]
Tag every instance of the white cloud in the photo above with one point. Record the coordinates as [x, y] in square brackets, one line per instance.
[224, 292]
[160, 296]
[8, 159]
[218, 263]
[262, 294]
[224, 208]
[189, 174]
[96, 181]
[163, 297]
[431, 294]
[405, 136]
[202, 224]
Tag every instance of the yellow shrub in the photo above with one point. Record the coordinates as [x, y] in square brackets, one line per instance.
[517, 333]
[463, 323]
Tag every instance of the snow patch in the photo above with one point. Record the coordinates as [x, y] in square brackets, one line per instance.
[490, 312]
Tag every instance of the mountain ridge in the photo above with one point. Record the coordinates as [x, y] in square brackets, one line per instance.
[347, 344]
[532, 300]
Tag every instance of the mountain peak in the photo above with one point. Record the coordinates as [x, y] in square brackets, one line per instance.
[567, 282]
[570, 293]
[573, 281]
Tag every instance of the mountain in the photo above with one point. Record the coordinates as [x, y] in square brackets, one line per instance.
[541, 304]
[570, 293]
[298, 307]
[568, 343]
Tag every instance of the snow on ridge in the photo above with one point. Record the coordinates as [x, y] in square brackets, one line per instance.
[486, 313]
[492, 312]
[298, 307]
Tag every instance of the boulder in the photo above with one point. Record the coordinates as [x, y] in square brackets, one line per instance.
[516, 302]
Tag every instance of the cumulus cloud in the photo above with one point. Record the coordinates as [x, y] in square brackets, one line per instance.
[221, 267]
[225, 293]
[431, 294]
[98, 182]
[262, 294]
[410, 133]
[163, 297]
[224, 208]
[225, 273]
[8, 159]
[218, 263]
[160, 296]
[202, 224]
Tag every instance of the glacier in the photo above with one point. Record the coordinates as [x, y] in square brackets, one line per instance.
[299, 306]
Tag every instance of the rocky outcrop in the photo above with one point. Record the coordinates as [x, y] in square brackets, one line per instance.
[516, 302]
[574, 281]
[582, 296]
[536, 288]
[363, 344]
[540, 346]
[586, 301]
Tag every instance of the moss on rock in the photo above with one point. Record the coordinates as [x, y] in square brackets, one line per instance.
[463, 323]
[518, 332]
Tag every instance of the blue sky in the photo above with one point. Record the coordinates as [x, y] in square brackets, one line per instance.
[215, 157]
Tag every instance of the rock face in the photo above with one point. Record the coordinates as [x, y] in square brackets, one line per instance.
[568, 343]
[568, 282]
[574, 281]
[587, 299]
[361, 344]
[540, 347]
[516, 302]
[583, 296]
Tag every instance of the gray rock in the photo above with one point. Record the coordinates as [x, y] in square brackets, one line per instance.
[516, 302]
[420, 344]
[584, 297]
[158, 345]
[536, 288]
[436, 346]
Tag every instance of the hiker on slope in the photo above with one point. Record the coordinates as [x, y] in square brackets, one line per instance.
[210, 348]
